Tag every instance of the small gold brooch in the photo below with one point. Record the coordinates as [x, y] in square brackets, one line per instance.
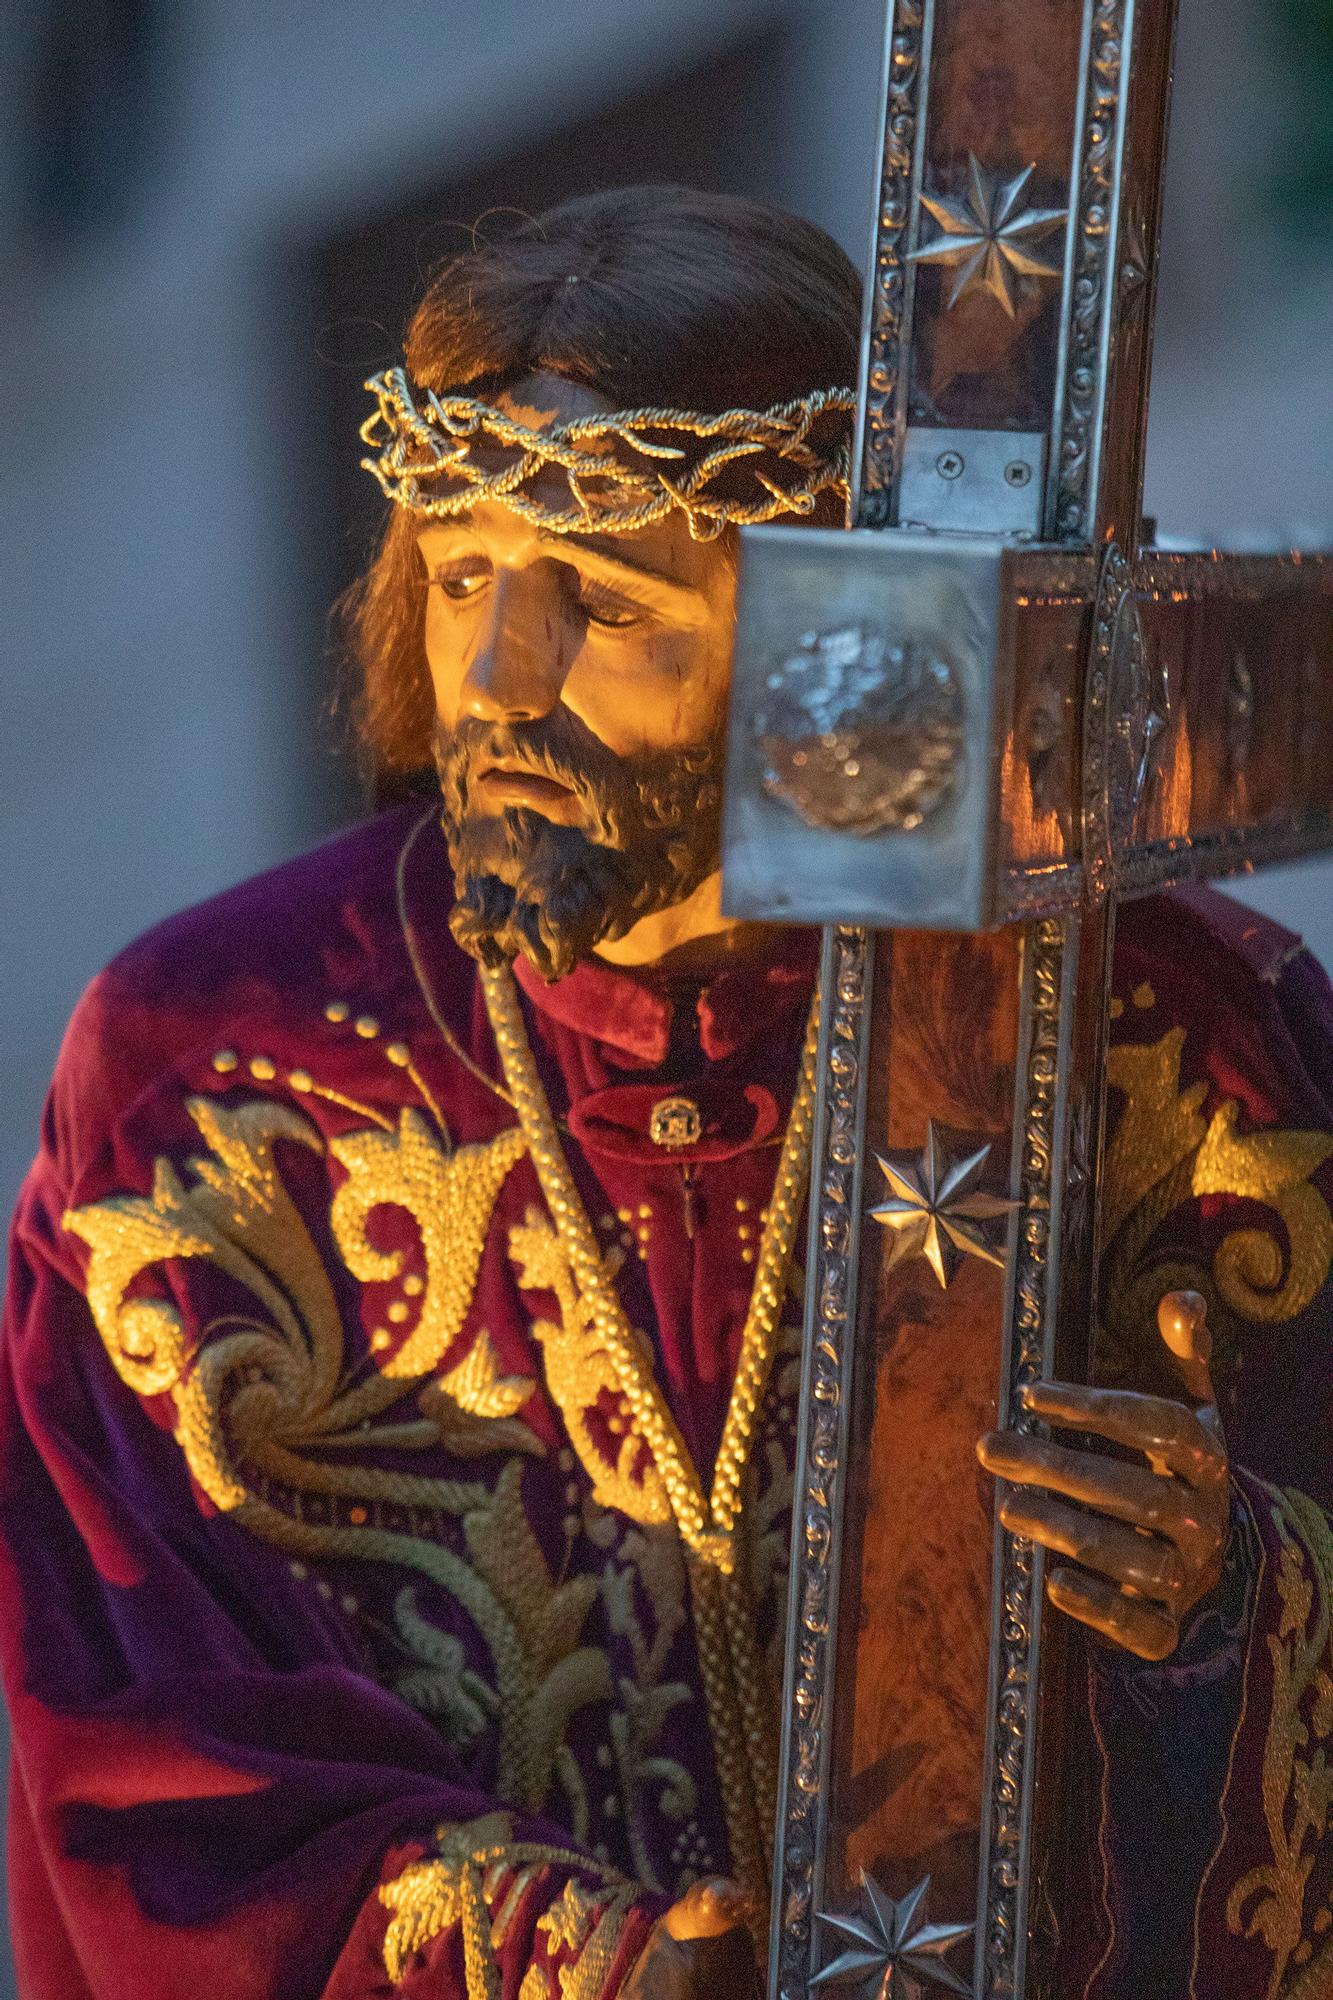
[675, 1121]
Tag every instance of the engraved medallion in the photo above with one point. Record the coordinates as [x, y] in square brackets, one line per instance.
[674, 1122]
[859, 733]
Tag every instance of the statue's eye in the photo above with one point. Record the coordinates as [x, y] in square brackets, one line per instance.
[461, 580]
[602, 606]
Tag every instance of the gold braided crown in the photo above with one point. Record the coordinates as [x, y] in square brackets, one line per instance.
[620, 470]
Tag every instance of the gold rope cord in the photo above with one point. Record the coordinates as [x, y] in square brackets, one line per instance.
[728, 1652]
[616, 474]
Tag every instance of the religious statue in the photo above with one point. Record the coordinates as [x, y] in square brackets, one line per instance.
[402, 1360]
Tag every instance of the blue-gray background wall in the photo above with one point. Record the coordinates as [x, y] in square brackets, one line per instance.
[183, 190]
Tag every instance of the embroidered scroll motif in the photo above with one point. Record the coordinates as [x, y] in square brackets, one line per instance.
[262, 1398]
[1162, 1154]
[1274, 1168]
[450, 1197]
[584, 1382]
[645, 1699]
[479, 1868]
[1270, 1901]
[440, 1683]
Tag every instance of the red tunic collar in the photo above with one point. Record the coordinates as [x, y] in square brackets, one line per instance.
[632, 1013]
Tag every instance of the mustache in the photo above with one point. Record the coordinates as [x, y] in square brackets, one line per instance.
[648, 834]
[623, 797]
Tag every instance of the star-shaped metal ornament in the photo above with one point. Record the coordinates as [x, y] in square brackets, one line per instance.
[936, 1208]
[888, 1945]
[988, 235]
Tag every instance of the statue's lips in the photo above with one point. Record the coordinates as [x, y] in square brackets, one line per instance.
[512, 784]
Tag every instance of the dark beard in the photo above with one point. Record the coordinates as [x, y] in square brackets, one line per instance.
[650, 836]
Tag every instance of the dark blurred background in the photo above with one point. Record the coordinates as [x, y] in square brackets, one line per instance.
[214, 217]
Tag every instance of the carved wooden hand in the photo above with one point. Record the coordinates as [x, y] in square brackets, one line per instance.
[1148, 1539]
[701, 1948]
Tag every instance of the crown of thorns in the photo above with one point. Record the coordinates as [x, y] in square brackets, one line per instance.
[622, 470]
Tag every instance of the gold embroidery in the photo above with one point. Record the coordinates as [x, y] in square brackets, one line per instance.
[458, 1886]
[1158, 1127]
[740, 1713]
[1162, 1154]
[1269, 1901]
[258, 1396]
[440, 1683]
[587, 1922]
[547, 1618]
[1274, 1168]
[450, 1198]
[469, 1406]
[602, 1423]
[646, 1699]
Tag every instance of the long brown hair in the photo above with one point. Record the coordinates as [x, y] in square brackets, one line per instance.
[701, 301]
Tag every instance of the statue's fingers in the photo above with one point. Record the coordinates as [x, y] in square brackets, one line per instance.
[1140, 1627]
[1133, 1561]
[1168, 1432]
[1182, 1321]
[1129, 1492]
[708, 1909]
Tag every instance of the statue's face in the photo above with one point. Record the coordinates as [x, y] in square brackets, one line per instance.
[580, 692]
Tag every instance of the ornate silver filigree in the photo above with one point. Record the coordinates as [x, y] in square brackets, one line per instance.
[988, 236]
[1018, 1578]
[860, 734]
[1133, 267]
[936, 1207]
[1085, 357]
[821, 1449]
[889, 1944]
[888, 285]
[1126, 713]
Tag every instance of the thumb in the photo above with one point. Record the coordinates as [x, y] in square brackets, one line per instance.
[1182, 1321]
[708, 1909]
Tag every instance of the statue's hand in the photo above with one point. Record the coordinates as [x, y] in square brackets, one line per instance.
[1152, 1535]
[701, 1949]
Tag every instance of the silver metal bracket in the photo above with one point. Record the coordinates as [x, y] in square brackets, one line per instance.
[867, 717]
[972, 482]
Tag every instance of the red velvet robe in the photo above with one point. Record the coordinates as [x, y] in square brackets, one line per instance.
[347, 1637]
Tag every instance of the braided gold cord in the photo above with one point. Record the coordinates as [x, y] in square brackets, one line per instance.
[729, 1660]
[419, 438]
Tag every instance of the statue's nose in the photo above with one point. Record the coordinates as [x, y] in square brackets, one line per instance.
[523, 652]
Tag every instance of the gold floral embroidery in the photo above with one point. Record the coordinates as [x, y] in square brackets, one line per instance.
[1274, 1168]
[440, 1683]
[646, 1700]
[471, 1871]
[583, 1380]
[1158, 1127]
[450, 1197]
[587, 1923]
[547, 1618]
[1163, 1153]
[260, 1397]
[1269, 1901]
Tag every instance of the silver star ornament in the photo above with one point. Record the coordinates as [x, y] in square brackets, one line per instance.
[888, 1945]
[935, 1207]
[988, 236]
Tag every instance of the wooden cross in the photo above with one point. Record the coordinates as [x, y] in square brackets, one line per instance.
[960, 732]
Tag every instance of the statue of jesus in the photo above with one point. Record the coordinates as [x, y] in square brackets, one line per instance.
[399, 1378]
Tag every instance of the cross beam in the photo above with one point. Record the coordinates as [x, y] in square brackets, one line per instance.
[959, 734]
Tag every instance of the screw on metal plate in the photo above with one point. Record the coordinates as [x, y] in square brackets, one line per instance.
[949, 464]
[1018, 472]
